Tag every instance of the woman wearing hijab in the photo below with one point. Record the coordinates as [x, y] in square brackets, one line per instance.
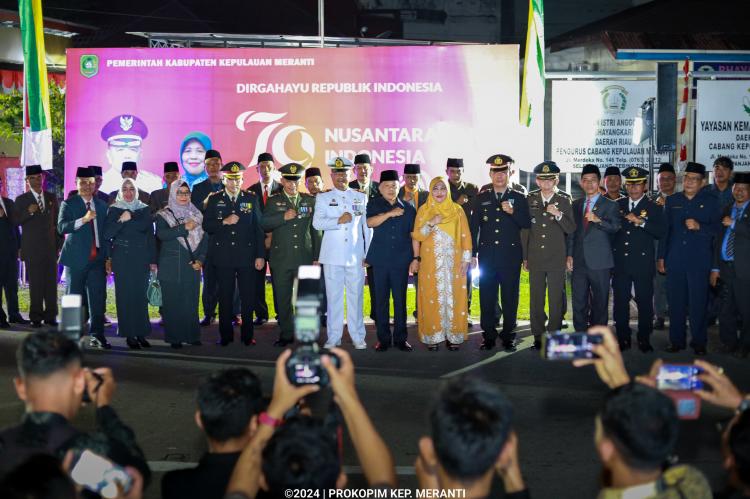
[193, 157]
[183, 251]
[130, 230]
[442, 240]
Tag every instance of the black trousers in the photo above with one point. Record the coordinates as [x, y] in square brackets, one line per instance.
[391, 281]
[643, 285]
[509, 281]
[261, 307]
[590, 297]
[210, 297]
[9, 286]
[42, 276]
[90, 281]
[735, 304]
[371, 288]
[244, 279]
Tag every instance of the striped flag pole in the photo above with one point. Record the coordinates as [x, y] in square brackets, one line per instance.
[37, 131]
[532, 92]
[682, 116]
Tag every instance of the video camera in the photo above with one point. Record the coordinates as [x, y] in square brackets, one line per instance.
[304, 366]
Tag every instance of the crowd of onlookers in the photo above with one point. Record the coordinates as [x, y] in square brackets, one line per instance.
[260, 447]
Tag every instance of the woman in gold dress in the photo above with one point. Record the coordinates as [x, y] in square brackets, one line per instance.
[442, 240]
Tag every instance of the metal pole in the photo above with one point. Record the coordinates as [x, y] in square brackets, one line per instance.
[321, 22]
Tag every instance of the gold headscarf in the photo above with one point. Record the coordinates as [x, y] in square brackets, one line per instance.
[448, 210]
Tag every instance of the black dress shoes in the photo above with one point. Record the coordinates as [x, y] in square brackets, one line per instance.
[381, 347]
[51, 323]
[537, 344]
[259, 321]
[700, 350]
[282, 343]
[674, 348]
[223, 343]
[143, 342]
[451, 346]
[4, 324]
[249, 343]
[487, 345]
[36, 324]
[175, 345]
[99, 341]
[196, 343]
[17, 319]
[624, 345]
[433, 348]
[645, 346]
[207, 321]
[405, 347]
[509, 346]
[133, 343]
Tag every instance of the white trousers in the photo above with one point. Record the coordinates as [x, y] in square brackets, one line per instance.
[352, 278]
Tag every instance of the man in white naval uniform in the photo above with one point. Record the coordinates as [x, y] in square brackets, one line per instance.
[341, 213]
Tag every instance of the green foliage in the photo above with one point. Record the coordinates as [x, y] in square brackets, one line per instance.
[11, 116]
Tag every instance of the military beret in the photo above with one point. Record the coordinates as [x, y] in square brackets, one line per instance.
[741, 178]
[292, 171]
[634, 175]
[312, 172]
[454, 163]
[612, 170]
[547, 170]
[589, 168]
[129, 166]
[499, 161]
[33, 170]
[171, 166]
[362, 158]
[339, 164]
[666, 167]
[412, 169]
[211, 153]
[126, 126]
[265, 156]
[96, 169]
[696, 168]
[388, 175]
[233, 169]
[84, 172]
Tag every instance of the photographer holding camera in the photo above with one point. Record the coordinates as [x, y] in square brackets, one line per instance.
[53, 385]
[313, 459]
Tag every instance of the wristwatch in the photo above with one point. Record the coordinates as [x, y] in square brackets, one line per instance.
[744, 405]
[417, 258]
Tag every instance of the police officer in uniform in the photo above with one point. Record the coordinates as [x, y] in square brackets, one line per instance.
[232, 218]
[288, 216]
[685, 254]
[544, 250]
[513, 185]
[666, 182]
[497, 217]
[390, 253]
[634, 251]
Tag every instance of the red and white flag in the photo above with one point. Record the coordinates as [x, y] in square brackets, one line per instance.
[682, 116]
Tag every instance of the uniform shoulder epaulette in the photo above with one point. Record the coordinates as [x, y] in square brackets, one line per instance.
[205, 201]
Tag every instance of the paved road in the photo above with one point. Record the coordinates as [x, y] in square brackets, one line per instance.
[554, 402]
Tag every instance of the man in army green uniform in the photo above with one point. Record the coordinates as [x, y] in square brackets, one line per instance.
[288, 215]
[544, 250]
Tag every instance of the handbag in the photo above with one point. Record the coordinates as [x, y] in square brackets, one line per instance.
[153, 291]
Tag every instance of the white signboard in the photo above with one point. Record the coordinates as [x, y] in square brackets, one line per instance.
[592, 122]
[723, 122]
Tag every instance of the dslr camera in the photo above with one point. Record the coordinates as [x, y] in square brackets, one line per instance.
[304, 366]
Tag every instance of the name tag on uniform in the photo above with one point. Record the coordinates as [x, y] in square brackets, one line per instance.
[221, 203]
[486, 203]
[280, 203]
[333, 203]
